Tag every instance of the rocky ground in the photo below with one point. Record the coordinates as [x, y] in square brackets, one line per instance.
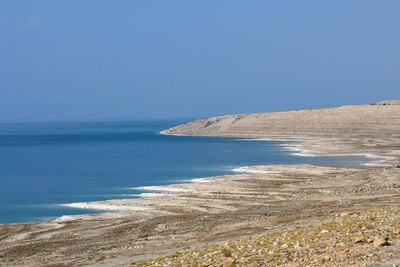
[365, 238]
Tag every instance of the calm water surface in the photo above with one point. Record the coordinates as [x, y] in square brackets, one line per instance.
[43, 165]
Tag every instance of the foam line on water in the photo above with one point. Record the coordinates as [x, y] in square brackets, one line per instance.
[199, 180]
[162, 188]
[299, 150]
[109, 207]
[252, 170]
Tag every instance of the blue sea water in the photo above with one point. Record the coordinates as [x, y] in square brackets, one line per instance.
[43, 165]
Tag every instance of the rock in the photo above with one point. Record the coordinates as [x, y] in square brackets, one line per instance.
[228, 262]
[161, 227]
[359, 239]
[324, 231]
[227, 252]
[380, 242]
[341, 244]
[325, 259]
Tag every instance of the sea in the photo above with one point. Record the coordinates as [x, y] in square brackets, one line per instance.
[45, 165]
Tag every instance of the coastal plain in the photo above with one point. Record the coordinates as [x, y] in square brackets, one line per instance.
[256, 202]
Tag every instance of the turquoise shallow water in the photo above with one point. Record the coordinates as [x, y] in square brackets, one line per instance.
[43, 165]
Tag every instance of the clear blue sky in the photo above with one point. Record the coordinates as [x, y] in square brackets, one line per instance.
[111, 60]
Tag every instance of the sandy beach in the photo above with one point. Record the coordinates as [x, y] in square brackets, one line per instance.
[256, 201]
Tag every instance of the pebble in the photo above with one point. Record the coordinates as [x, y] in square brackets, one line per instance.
[359, 239]
[380, 242]
[341, 244]
[228, 262]
[227, 252]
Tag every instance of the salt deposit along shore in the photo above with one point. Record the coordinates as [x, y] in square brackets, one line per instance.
[254, 203]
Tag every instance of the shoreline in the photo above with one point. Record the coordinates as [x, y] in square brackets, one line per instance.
[247, 203]
[155, 191]
[299, 146]
[252, 201]
[299, 150]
